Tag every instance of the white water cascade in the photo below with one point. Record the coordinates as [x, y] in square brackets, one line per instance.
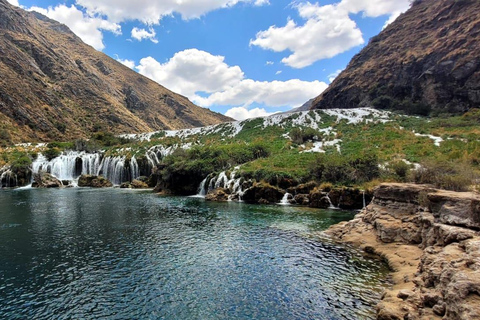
[223, 181]
[71, 164]
[8, 179]
[331, 206]
[285, 200]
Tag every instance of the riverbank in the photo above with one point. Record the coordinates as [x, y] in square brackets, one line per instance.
[431, 241]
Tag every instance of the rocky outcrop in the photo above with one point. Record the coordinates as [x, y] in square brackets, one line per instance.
[425, 60]
[45, 180]
[135, 184]
[92, 181]
[219, 195]
[263, 193]
[431, 240]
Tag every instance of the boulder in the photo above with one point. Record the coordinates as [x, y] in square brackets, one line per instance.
[45, 180]
[319, 199]
[302, 199]
[219, 194]
[92, 181]
[262, 193]
[305, 188]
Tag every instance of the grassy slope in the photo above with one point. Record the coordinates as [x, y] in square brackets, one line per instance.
[387, 136]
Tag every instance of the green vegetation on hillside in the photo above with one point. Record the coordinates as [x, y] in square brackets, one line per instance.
[338, 147]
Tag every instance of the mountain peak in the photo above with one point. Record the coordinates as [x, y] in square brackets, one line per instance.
[426, 60]
[55, 87]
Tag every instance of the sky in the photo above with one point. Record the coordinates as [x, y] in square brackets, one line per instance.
[242, 58]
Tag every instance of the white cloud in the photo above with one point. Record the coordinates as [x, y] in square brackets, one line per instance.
[152, 11]
[327, 32]
[242, 113]
[392, 18]
[126, 62]
[193, 71]
[140, 34]
[269, 63]
[87, 28]
[278, 72]
[375, 8]
[291, 93]
[14, 2]
[332, 76]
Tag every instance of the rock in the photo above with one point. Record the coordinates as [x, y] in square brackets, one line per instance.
[302, 199]
[319, 200]
[137, 184]
[92, 181]
[219, 195]
[305, 188]
[434, 253]
[262, 190]
[46, 180]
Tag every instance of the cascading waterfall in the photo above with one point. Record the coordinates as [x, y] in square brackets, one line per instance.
[71, 164]
[8, 179]
[201, 189]
[222, 181]
[331, 206]
[285, 200]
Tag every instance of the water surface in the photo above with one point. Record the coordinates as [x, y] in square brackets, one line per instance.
[121, 254]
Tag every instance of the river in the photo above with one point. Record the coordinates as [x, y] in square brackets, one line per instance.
[122, 254]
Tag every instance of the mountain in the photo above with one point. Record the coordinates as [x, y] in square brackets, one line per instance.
[55, 87]
[425, 62]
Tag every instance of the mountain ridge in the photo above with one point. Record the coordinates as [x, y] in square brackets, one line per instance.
[423, 62]
[54, 86]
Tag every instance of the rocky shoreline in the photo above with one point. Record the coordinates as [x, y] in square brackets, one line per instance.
[431, 241]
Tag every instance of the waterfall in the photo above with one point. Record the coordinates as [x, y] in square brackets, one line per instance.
[285, 199]
[8, 179]
[112, 168]
[331, 206]
[68, 166]
[134, 169]
[364, 202]
[234, 185]
[71, 164]
[201, 188]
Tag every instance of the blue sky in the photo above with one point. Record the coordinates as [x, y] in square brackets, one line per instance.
[242, 58]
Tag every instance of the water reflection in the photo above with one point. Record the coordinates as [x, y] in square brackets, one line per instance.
[83, 253]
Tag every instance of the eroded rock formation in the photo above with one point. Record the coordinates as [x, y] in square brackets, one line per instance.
[431, 240]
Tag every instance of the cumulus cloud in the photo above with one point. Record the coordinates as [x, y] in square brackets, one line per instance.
[332, 76]
[375, 8]
[289, 93]
[140, 34]
[87, 28]
[207, 80]
[152, 11]
[328, 30]
[242, 113]
[126, 62]
[191, 71]
[14, 2]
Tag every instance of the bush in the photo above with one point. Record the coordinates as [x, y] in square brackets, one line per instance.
[338, 169]
[52, 153]
[445, 175]
[399, 170]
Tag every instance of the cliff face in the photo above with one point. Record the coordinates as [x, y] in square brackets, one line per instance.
[54, 86]
[431, 240]
[427, 60]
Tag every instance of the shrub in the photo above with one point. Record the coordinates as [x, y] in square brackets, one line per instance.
[399, 169]
[458, 176]
[52, 153]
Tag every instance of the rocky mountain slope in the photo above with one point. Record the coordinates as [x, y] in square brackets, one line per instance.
[54, 86]
[427, 60]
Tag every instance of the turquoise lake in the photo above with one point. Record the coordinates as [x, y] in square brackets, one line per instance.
[121, 254]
